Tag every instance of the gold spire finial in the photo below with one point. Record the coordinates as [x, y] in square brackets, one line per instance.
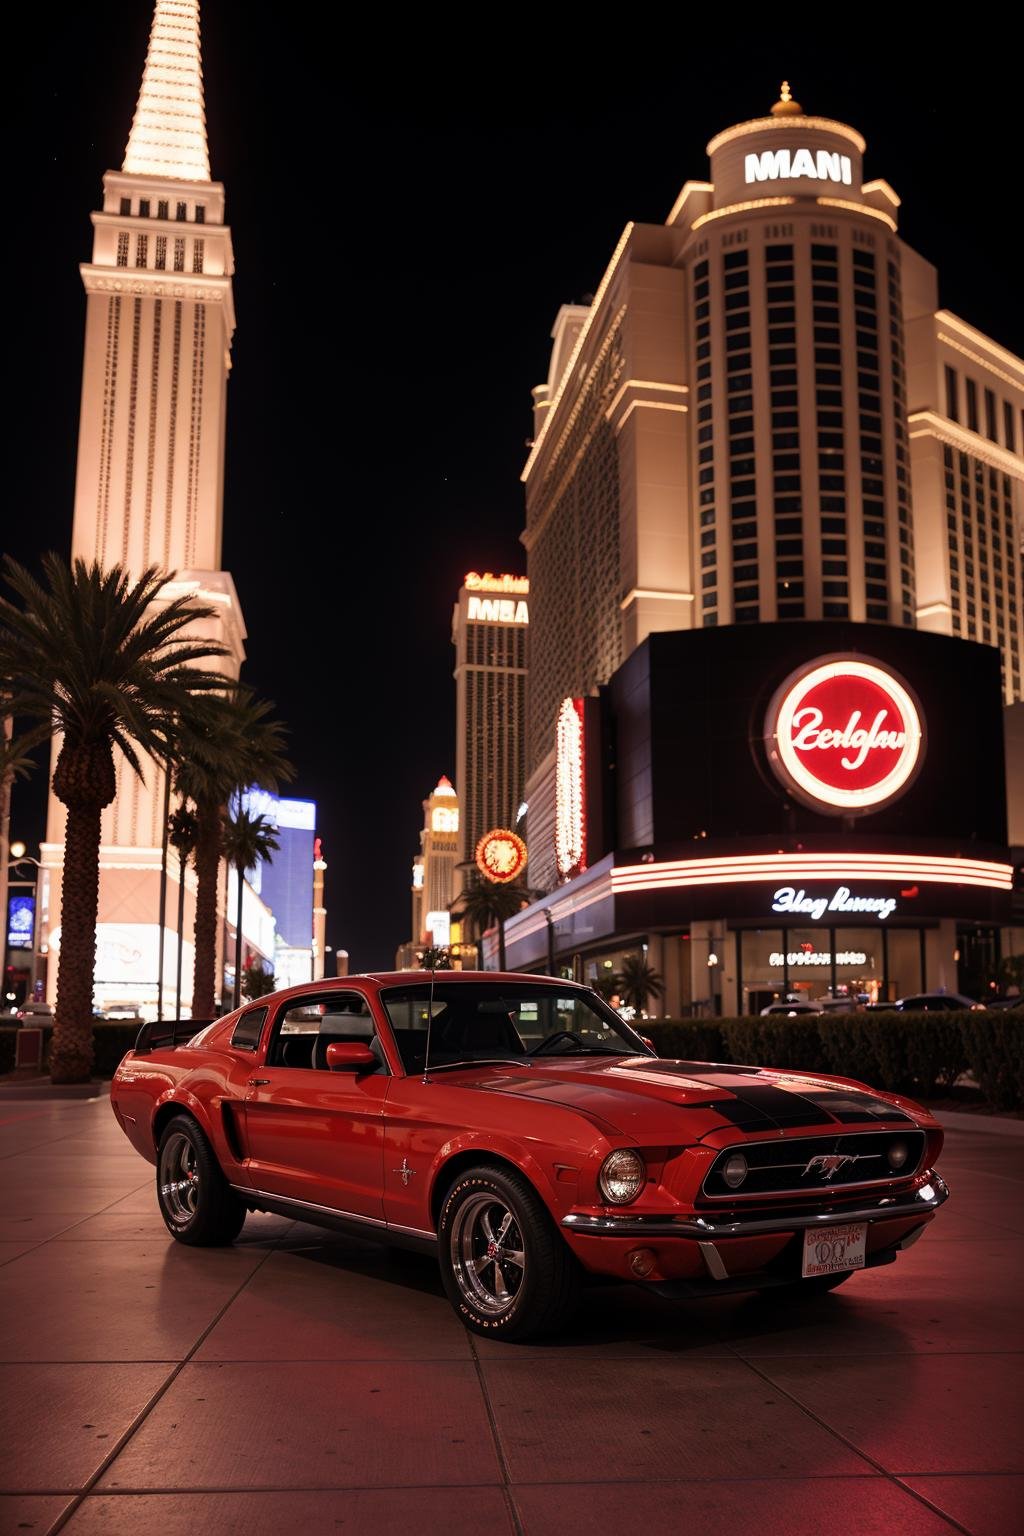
[786, 106]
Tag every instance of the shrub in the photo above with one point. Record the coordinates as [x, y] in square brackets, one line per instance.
[995, 1051]
[686, 1039]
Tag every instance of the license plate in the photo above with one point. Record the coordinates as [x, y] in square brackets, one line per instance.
[828, 1250]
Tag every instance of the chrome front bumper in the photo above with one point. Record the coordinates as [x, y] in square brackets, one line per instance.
[891, 1208]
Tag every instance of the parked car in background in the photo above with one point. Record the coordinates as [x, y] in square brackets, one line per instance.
[929, 1002]
[792, 1007]
[521, 1132]
[34, 1012]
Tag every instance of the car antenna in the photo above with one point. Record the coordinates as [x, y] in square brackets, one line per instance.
[430, 1020]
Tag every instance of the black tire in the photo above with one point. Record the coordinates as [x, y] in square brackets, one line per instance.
[496, 1208]
[816, 1285]
[196, 1202]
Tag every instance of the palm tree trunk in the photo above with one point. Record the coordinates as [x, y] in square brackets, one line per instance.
[501, 944]
[238, 945]
[182, 866]
[207, 862]
[71, 1051]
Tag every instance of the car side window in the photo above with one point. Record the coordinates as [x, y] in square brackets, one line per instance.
[311, 1024]
[246, 1033]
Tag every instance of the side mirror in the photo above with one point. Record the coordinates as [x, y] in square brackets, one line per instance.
[350, 1056]
[647, 1041]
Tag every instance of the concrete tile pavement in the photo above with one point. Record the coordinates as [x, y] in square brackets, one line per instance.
[305, 1381]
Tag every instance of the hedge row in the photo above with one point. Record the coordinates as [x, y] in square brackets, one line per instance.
[110, 1040]
[915, 1053]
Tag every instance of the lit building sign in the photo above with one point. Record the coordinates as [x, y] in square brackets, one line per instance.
[742, 869]
[21, 917]
[439, 927]
[498, 610]
[417, 875]
[798, 957]
[793, 164]
[570, 791]
[444, 818]
[789, 899]
[844, 735]
[475, 582]
[501, 855]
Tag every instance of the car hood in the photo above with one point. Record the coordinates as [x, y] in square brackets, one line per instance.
[643, 1096]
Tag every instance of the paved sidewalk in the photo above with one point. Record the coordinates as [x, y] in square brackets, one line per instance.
[302, 1381]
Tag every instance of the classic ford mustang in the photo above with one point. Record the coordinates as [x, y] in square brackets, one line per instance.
[517, 1128]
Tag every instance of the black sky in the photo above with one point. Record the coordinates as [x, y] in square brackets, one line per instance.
[409, 208]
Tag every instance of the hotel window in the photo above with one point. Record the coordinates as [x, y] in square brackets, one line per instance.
[200, 214]
[144, 208]
[141, 250]
[122, 250]
[972, 404]
[902, 450]
[952, 402]
[1009, 423]
[865, 299]
[161, 252]
[742, 486]
[705, 449]
[831, 461]
[197, 256]
[126, 206]
[179, 255]
[990, 416]
[161, 209]
[182, 213]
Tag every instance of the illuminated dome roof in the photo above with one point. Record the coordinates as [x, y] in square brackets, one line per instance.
[444, 786]
[786, 106]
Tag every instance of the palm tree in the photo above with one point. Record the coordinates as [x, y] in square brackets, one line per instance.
[257, 981]
[94, 657]
[246, 839]
[223, 747]
[639, 982]
[486, 903]
[181, 834]
[607, 984]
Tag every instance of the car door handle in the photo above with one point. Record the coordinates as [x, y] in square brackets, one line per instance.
[258, 1082]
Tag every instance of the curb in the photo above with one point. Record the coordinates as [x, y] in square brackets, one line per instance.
[991, 1125]
[35, 1089]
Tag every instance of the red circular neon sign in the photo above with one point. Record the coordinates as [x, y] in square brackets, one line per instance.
[844, 735]
[501, 855]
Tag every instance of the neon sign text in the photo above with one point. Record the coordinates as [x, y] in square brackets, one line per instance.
[797, 957]
[498, 610]
[789, 899]
[791, 165]
[488, 582]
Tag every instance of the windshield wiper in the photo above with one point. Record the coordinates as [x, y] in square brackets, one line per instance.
[480, 1061]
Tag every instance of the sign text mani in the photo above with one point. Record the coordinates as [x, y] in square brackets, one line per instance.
[791, 165]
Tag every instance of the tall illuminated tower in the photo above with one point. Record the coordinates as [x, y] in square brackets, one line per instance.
[149, 489]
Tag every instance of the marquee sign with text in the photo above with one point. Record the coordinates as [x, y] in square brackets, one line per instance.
[844, 735]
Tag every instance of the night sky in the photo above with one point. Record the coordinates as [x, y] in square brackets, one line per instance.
[405, 227]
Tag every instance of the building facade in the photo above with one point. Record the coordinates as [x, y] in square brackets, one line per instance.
[765, 416]
[489, 632]
[439, 850]
[285, 883]
[149, 487]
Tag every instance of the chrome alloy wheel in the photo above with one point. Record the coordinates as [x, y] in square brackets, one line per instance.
[487, 1252]
[179, 1180]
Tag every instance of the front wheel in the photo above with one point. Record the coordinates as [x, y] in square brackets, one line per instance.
[506, 1269]
[196, 1202]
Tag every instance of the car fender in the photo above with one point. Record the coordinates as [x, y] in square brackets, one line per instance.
[184, 1099]
[510, 1151]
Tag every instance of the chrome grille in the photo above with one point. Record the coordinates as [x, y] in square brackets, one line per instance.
[811, 1163]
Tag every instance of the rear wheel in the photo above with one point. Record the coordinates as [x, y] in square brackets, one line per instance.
[506, 1268]
[196, 1202]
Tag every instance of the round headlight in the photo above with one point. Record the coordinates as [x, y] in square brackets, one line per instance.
[898, 1152]
[622, 1176]
[734, 1170]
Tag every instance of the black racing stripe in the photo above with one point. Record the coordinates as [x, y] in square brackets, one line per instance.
[784, 1107]
[743, 1116]
[851, 1105]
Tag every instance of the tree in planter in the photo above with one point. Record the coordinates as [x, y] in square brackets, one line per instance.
[257, 981]
[247, 839]
[95, 658]
[221, 749]
[182, 831]
[435, 957]
[607, 984]
[640, 981]
[486, 903]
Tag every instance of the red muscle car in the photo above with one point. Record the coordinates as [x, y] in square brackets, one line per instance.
[517, 1128]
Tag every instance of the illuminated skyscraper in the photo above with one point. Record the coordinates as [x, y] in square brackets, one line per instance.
[439, 848]
[149, 489]
[765, 415]
[489, 633]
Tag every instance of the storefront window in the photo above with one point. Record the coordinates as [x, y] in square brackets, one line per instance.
[904, 963]
[762, 971]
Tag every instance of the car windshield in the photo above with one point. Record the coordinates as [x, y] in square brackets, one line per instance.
[502, 1021]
